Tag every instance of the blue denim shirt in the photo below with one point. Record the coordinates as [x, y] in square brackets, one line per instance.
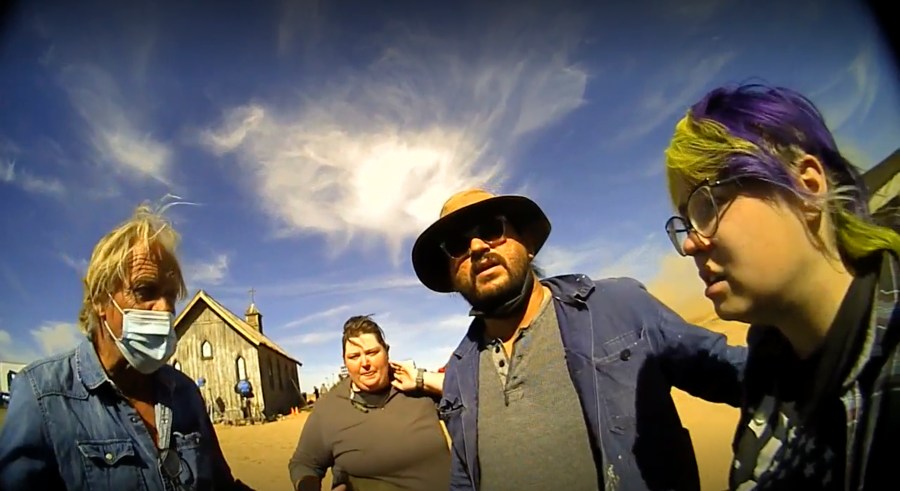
[625, 350]
[67, 427]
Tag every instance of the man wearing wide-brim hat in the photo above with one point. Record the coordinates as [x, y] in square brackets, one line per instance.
[561, 383]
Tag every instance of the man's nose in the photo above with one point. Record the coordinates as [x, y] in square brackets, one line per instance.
[478, 246]
[163, 304]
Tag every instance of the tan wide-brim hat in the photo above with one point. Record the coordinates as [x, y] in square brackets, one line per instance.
[429, 260]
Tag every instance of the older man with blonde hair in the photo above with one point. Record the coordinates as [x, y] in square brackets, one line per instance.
[111, 414]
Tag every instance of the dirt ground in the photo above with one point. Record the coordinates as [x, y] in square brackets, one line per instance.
[258, 454]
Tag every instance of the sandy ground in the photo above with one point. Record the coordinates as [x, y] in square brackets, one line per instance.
[258, 454]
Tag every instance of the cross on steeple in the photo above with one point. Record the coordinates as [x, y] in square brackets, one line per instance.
[252, 315]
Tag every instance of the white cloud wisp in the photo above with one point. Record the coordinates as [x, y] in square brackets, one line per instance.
[372, 159]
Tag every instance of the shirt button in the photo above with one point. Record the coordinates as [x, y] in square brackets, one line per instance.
[108, 457]
[625, 354]
[133, 419]
[502, 363]
[496, 349]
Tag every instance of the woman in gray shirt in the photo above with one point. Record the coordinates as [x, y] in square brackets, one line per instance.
[381, 438]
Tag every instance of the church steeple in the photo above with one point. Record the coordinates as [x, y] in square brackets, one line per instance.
[252, 315]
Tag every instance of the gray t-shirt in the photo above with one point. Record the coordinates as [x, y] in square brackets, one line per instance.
[398, 446]
[531, 431]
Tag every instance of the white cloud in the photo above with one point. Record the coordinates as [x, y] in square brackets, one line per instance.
[114, 128]
[664, 94]
[79, 265]
[57, 337]
[47, 339]
[13, 350]
[307, 287]
[211, 272]
[852, 91]
[29, 182]
[557, 260]
[607, 255]
[312, 338]
[640, 262]
[371, 159]
[12, 281]
[318, 316]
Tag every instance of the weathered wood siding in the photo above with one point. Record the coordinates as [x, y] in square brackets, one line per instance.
[220, 372]
[280, 382]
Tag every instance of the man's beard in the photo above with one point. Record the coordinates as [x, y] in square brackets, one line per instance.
[501, 299]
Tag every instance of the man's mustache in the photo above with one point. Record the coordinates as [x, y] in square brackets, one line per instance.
[486, 261]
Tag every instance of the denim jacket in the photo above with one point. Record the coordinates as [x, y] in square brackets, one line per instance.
[67, 427]
[624, 351]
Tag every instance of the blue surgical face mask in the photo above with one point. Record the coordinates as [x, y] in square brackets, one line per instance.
[148, 340]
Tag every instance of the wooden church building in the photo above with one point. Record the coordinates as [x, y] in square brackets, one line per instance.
[218, 349]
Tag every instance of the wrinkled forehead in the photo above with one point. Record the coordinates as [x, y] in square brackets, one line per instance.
[153, 261]
[363, 342]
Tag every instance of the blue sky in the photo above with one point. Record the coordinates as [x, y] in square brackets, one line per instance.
[319, 138]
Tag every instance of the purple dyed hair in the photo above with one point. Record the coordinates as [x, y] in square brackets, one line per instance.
[780, 121]
[758, 131]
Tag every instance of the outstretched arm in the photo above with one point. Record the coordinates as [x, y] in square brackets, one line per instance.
[699, 361]
[694, 359]
[404, 378]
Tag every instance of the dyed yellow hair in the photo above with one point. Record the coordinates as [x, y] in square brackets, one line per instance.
[699, 150]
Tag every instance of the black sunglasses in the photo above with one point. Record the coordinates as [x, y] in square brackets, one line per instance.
[361, 403]
[171, 465]
[492, 231]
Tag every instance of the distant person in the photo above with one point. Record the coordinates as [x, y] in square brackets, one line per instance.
[562, 383]
[776, 220]
[111, 414]
[316, 393]
[379, 438]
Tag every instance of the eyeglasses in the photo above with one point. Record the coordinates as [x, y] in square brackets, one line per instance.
[492, 231]
[701, 213]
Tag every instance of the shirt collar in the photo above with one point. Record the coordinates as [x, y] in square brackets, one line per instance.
[87, 363]
[842, 344]
[545, 301]
[93, 375]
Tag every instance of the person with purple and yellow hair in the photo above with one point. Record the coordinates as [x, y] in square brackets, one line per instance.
[777, 222]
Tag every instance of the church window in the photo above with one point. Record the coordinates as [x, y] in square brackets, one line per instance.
[206, 351]
[241, 367]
